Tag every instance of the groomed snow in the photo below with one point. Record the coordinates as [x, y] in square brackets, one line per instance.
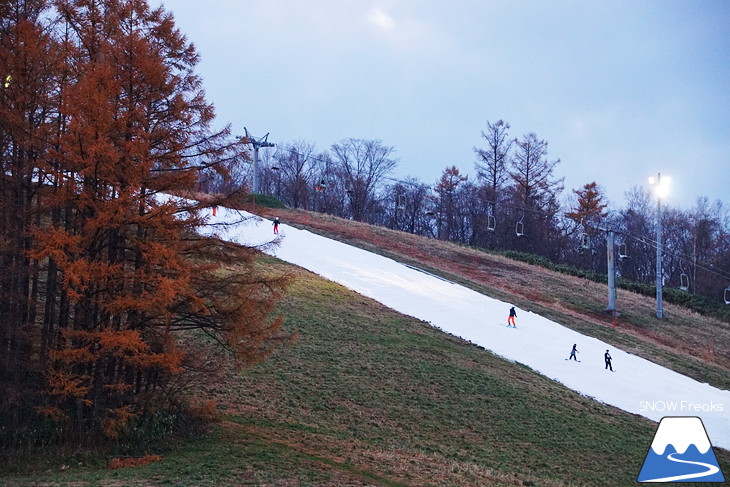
[637, 385]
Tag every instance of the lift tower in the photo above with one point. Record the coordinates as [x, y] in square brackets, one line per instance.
[257, 143]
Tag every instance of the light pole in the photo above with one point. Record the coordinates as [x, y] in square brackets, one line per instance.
[661, 189]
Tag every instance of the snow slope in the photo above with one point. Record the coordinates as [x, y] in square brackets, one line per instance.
[638, 385]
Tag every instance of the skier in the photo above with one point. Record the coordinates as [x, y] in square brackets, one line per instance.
[607, 357]
[511, 318]
[573, 352]
[276, 225]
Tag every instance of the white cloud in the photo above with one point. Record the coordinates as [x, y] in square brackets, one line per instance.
[381, 19]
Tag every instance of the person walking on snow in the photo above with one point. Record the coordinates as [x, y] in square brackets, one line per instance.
[607, 358]
[573, 352]
[276, 225]
[511, 318]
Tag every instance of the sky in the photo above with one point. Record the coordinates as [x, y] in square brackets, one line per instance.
[636, 385]
[621, 90]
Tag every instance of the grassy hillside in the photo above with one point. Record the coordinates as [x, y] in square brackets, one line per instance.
[368, 397]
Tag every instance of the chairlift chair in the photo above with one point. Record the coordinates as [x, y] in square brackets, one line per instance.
[622, 252]
[683, 278]
[491, 223]
[727, 295]
[520, 227]
[401, 201]
[684, 282]
[585, 241]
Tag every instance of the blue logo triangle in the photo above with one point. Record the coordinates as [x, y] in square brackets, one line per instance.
[681, 452]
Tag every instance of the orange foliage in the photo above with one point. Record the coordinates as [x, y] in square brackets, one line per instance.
[121, 462]
[53, 412]
[120, 343]
[117, 419]
[208, 411]
[67, 385]
[107, 275]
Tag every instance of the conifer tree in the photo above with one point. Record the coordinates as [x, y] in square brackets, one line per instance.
[112, 272]
[590, 206]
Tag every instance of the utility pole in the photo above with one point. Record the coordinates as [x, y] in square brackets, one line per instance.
[257, 143]
[611, 272]
[610, 268]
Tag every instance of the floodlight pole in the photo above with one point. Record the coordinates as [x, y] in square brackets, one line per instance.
[257, 143]
[659, 273]
[659, 277]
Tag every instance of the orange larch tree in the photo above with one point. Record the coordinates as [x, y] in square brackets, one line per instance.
[122, 273]
[590, 207]
[27, 109]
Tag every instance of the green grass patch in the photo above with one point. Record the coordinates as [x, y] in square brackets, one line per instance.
[264, 200]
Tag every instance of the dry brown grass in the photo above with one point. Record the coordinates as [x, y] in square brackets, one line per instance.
[399, 466]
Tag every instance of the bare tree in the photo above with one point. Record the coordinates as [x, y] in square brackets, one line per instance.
[492, 161]
[535, 193]
[451, 205]
[532, 172]
[297, 171]
[637, 224]
[364, 165]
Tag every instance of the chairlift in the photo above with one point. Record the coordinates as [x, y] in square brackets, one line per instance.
[275, 167]
[429, 213]
[683, 279]
[622, 252]
[727, 295]
[321, 186]
[585, 241]
[491, 223]
[520, 227]
[684, 282]
[401, 201]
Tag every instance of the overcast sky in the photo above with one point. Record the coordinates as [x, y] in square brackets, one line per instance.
[620, 89]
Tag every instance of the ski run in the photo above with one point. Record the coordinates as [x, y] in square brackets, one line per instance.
[637, 386]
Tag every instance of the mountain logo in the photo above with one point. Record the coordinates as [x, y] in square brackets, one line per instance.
[681, 452]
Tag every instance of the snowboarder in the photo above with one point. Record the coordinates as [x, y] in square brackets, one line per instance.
[607, 358]
[573, 352]
[511, 318]
[276, 225]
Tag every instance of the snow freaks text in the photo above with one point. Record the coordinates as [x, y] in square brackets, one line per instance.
[680, 407]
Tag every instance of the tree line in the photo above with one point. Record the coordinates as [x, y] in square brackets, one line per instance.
[105, 282]
[516, 202]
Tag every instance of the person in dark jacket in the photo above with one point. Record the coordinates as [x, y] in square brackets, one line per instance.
[573, 352]
[511, 318]
[607, 358]
[276, 225]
